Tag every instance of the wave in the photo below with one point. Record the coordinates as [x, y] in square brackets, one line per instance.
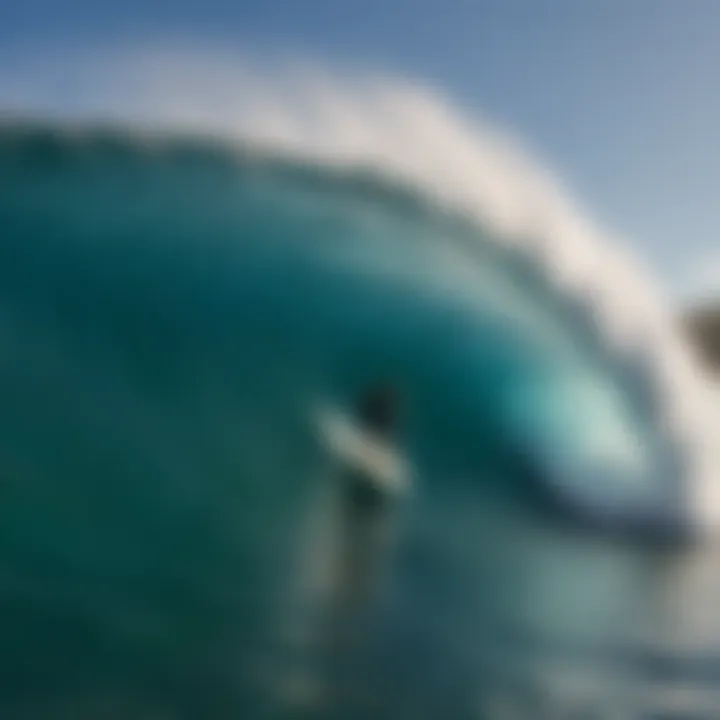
[496, 219]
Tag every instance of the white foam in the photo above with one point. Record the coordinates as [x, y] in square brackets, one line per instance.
[409, 133]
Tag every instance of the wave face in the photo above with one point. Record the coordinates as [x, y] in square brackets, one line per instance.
[173, 306]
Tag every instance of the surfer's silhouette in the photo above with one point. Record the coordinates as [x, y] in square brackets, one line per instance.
[361, 517]
[366, 514]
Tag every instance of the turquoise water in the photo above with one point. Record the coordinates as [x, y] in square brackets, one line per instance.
[170, 314]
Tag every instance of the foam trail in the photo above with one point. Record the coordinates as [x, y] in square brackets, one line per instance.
[405, 132]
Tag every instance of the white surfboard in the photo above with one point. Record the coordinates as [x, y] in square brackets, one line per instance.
[363, 451]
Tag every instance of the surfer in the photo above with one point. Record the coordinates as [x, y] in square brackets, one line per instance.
[355, 524]
[366, 523]
[366, 502]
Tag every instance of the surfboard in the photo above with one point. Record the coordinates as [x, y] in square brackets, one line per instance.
[363, 451]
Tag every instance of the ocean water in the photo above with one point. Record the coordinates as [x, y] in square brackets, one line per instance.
[173, 309]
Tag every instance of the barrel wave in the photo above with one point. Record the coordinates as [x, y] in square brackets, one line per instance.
[180, 289]
[163, 259]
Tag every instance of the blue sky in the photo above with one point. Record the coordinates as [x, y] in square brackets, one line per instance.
[620, 97]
